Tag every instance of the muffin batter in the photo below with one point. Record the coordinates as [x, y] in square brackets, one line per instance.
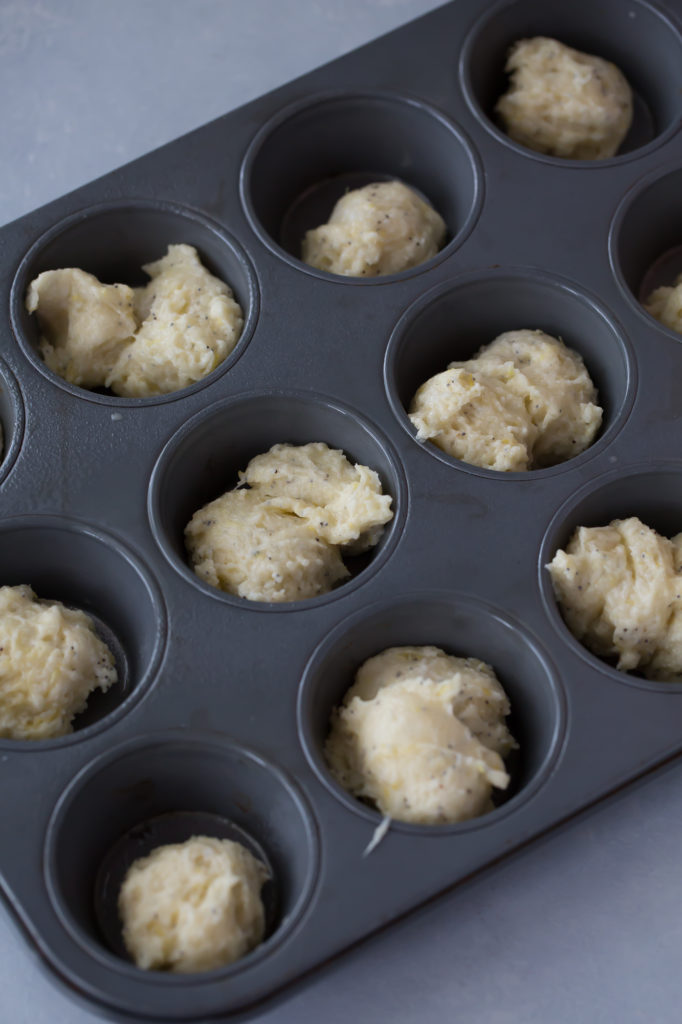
[245, 546]
[193, 906]
[665, 304]
[136, 341]
[280, 535]
[51, 660]
[619, 588]
[383, 228]
[564, 102]
[421, 734]
[524, 401]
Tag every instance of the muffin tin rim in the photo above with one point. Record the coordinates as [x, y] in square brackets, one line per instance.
[10, 452]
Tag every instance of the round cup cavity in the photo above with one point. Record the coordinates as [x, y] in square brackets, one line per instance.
[638, 38]
[452, 321]
[645, 241]
[112, 241]
[153, 791]
[11, 419]
[83, 568]
[462, 626]
[653, 493]
[324, 147]
[203, 459]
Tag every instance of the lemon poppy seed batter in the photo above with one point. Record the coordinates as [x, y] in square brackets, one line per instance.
[620, 590]
[281, 534]
[383, 228]
[137, 341]
[421, 735]
[51, 660]
[193, 906]
[563, 102]
[522, 402]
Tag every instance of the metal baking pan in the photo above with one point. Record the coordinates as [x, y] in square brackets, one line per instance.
[223, 705]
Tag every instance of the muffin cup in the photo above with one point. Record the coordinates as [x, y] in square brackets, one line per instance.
[452, 321]
[465, 627]
[167, 787]
[112, 241]
[653, 493]
[82, 567]
[203, 459]
[645, 242]
[638, 37]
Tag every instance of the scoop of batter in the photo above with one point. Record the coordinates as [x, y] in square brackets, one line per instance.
[51, 660]
[383, 228]
[564, 102]
[84, 324]
[421, 734]
[342, 502]
[619, 588]
[282, 538]
[247, 547]
[665, 304]
[523, 402]
[142, 341]
[193, 906]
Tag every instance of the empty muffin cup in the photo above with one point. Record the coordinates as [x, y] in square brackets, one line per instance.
[112, 241]
[203, 460]
[638, 38]
[452, 321]
[462, 626]
[86, 569]
[335, 142]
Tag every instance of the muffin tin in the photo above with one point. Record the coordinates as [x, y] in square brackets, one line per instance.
[220, 717]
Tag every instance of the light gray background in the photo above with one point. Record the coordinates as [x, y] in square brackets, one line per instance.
[585, 926]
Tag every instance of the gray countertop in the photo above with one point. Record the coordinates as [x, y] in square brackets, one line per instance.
[584, 925]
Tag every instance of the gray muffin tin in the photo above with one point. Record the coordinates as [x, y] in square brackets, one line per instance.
[219, 720]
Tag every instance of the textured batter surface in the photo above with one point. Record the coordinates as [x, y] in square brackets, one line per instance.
[84, 324]
[619, 588]
[247, 547]
[564, 102]
[342, 502]
[523, 402]
[383, 228]
[421, 734]
[665, 304]
[51, 660]
[193, 906]
[136, 341]
[282, 538]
